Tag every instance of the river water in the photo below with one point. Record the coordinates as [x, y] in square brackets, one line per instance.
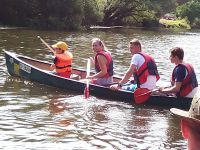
[35, 116]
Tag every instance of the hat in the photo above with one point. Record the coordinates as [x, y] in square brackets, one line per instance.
[194, 112]
[61, 45]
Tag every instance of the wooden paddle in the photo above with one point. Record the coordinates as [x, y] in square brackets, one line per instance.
[86, 91]
[141, 95]
[47, 45]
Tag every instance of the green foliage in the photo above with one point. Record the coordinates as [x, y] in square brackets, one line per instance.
[191, 10]
[179, 23]
[49, 14]
[92, 13]
[161, 7]
[74, 14]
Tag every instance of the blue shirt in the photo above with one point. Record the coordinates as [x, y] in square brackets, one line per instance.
[179, 73]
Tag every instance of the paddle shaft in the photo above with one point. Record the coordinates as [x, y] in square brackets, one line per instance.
[86, 91]
[88, 71]
[46, 44]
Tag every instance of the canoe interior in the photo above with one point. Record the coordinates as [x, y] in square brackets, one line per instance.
[77, 74]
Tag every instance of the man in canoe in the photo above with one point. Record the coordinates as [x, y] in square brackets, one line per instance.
[142, 67]
[190, 123]
[63, 60]
[103, 64]
[183, 81]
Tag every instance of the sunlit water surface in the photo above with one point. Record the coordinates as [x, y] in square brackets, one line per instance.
[35, 116]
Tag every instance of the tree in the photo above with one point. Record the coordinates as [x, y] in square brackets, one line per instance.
[120, 12]
[117, 10]
[51, 14]
[191, 10]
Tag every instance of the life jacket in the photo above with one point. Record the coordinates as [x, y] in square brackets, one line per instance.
[190, 81]
[148, 68]
[109, 64]
[63, 62]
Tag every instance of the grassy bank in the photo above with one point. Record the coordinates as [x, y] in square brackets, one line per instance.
[179, 23]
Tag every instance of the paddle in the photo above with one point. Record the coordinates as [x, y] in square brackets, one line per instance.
[141, 95]
[47, 45]
[86, 91]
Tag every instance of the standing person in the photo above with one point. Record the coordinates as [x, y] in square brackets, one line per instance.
[103, 64]
[190, 123]
[142, 67]
[184, 82]
[63, 60]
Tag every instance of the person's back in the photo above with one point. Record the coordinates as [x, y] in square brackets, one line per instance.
[190, 123]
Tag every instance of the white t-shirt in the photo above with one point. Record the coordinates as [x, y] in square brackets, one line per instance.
[138, 60]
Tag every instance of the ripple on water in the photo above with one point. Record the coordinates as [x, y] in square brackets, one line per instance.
[35, 116]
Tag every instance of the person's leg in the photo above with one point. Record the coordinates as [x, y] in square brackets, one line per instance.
[103, 81]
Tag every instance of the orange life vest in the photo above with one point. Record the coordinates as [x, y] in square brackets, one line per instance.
[190, 81]
[63, 62]
[148, 68]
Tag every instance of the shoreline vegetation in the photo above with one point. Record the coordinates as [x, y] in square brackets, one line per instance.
[178, 23]
[80, 15]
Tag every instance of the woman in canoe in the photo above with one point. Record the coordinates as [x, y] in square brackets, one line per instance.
[103, 64]
[63, 60]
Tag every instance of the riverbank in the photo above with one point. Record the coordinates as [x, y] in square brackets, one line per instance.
[178, 23]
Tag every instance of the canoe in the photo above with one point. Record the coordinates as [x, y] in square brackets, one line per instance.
[38, 71]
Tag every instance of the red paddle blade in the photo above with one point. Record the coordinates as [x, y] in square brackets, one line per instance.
[86, 92]
[141, 95]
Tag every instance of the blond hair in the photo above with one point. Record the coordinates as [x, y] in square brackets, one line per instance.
[101, 43]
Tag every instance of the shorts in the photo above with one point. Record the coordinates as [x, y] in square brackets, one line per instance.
[103, 81]
[129, 87]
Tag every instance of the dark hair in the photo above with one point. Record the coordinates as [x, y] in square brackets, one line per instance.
[177, 51]
[136, 42]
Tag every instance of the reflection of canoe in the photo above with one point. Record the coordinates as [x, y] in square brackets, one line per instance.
[38, 71]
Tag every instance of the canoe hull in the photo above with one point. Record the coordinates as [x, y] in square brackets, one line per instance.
[37, 71]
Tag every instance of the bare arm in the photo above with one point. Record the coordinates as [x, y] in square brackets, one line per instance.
[129, 73]
[103, 68]
[173, 89]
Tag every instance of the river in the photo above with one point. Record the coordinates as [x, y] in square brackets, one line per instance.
[35, 116]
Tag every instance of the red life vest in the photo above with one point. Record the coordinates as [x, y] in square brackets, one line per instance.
[63, 62]
[190, 81]
[109, 64]
[148, 68]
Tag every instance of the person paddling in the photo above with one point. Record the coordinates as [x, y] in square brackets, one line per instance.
[183, 81]
[190, 123]
[62, 61]
[143, 68]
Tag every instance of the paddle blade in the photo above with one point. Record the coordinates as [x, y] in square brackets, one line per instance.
[86, 92]
[141, 95]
